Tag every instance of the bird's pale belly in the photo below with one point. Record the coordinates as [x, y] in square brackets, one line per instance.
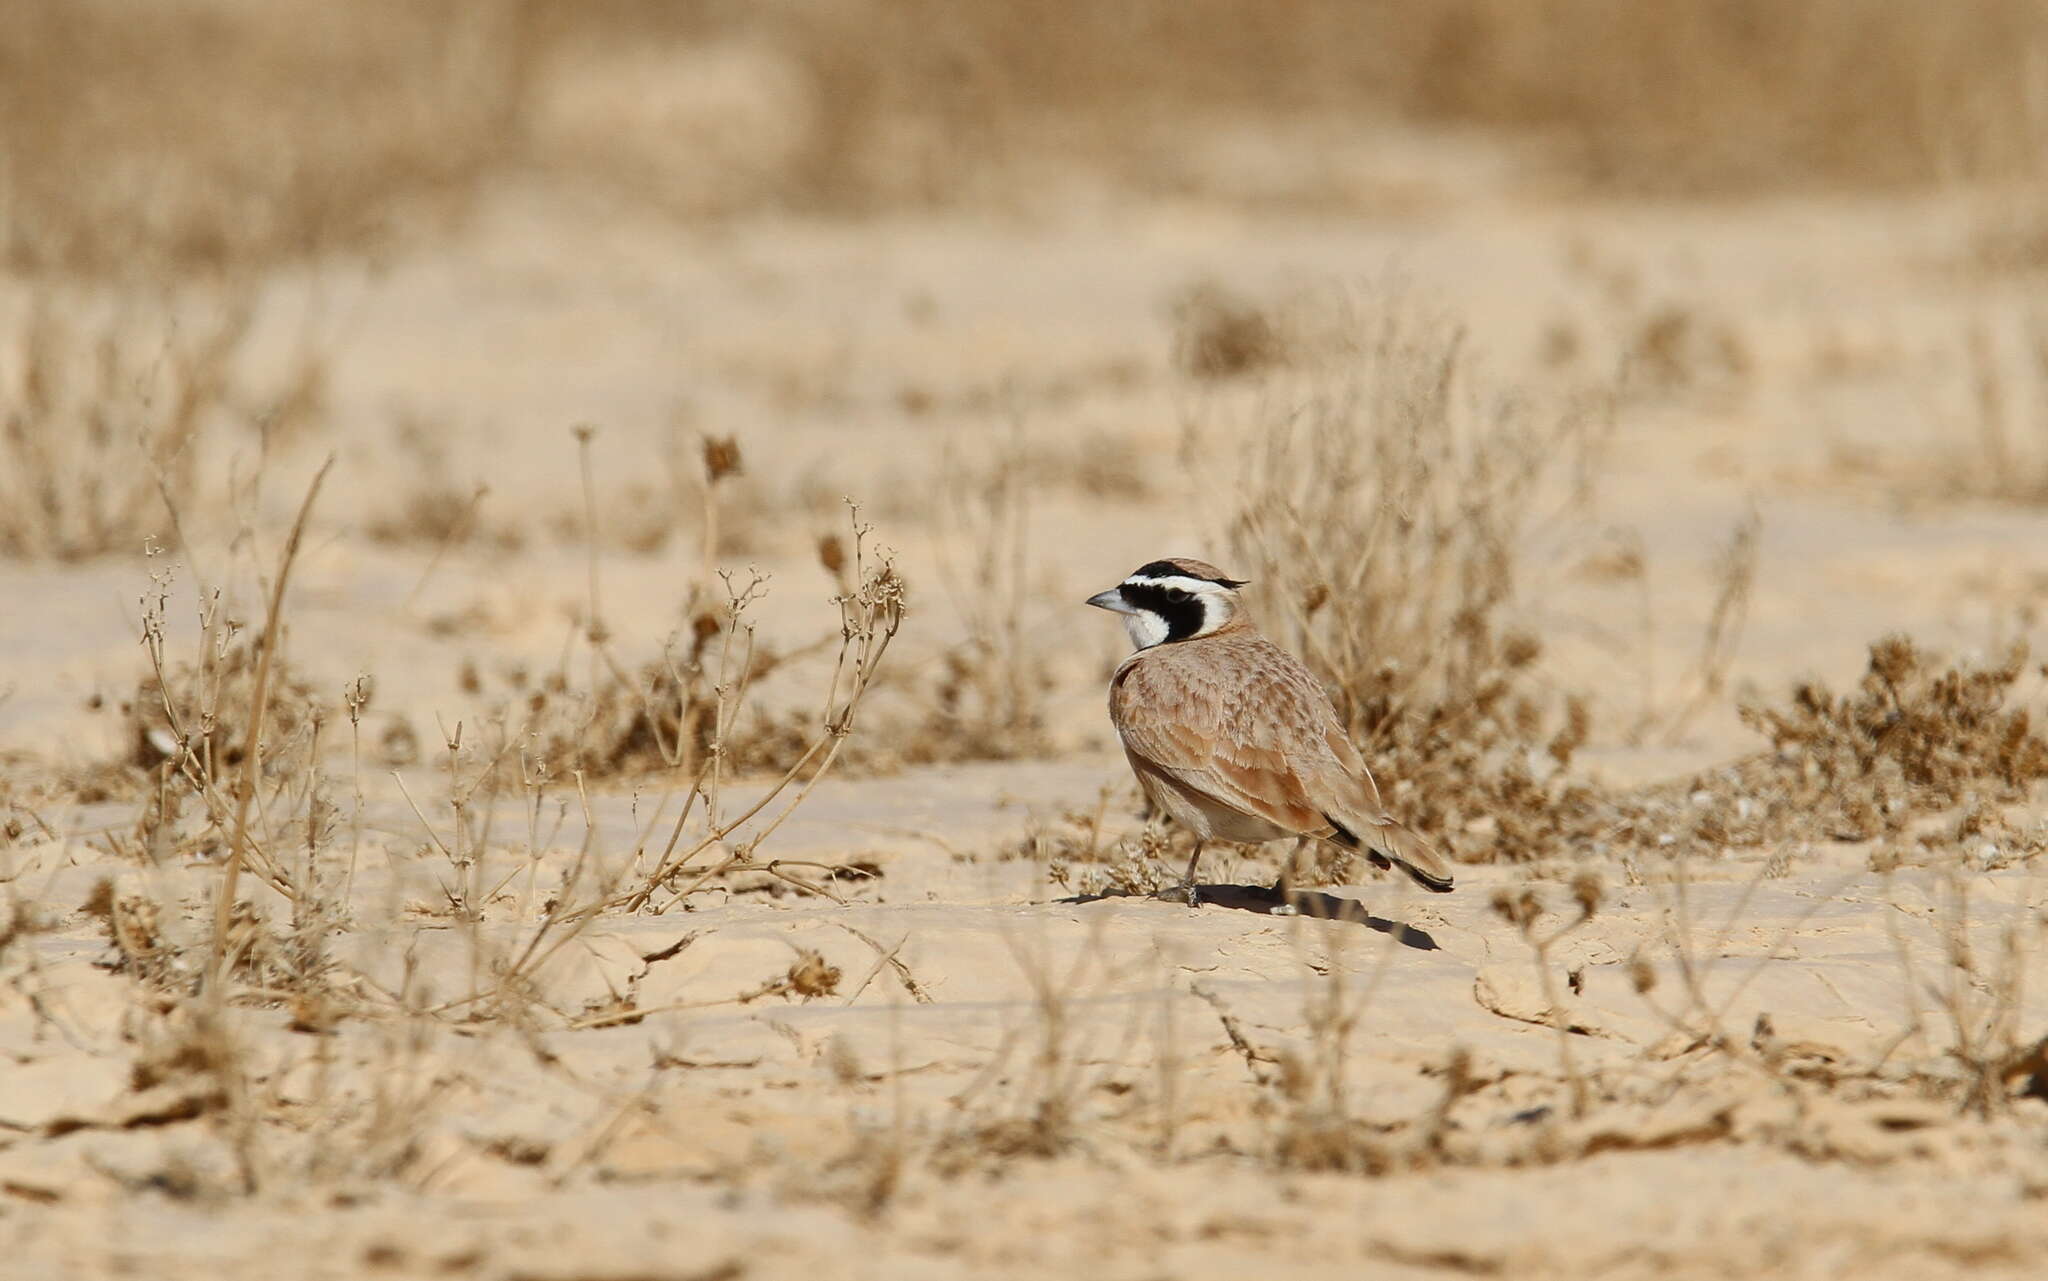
[1209, 819]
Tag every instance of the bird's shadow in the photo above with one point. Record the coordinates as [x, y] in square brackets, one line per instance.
[1311, 904]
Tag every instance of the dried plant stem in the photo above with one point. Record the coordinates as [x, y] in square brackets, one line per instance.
[357, 697]
[224, 904]
[1568, 1062]
[195, 771]
[1737, 574]
[594, 629]
[456, 532]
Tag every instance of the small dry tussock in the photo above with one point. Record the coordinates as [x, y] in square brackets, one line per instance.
[1919, 738]
[714, 694]
[1218, 335]
[1380, 521]
[1916, 736]
[669, 712]
[1919, 741]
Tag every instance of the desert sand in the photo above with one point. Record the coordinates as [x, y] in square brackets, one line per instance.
[1709, 1000]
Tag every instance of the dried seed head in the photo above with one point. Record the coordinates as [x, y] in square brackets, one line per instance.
[1642, 976]
[1295, 1078]
[357, 694]
[1894, 658]
[99, 902]
[1578, 722]
[1458, 1072]
[583, 432]
[1519, 649]
[1315, 598]
[721, 457]
[1586, 890]
[704, 626]
[832, 554]
[845, 1063]
[1519, 908]
[811, 976]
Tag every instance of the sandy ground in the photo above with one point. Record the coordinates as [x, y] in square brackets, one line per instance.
[1005, 1075]
[708, 1138]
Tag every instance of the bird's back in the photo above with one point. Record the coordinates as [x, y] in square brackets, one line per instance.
[1240, 709]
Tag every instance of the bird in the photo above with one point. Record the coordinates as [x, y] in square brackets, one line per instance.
[1232, 737]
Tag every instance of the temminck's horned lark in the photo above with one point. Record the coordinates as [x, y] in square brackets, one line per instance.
[1231, 736]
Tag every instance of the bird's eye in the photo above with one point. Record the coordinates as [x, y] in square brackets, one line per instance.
[1175, 594]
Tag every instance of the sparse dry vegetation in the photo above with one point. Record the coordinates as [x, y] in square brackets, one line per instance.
[1916, 737]
[216, 133]
[1380, 516]
[555, 794]
[114, 419]
[225, 134]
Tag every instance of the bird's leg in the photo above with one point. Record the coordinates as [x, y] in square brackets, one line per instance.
[1283, 885]
[1187, 880]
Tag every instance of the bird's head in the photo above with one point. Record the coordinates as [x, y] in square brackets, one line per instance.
[1172, 600]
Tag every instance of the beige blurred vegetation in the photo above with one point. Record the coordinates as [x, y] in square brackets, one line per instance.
[210, 133]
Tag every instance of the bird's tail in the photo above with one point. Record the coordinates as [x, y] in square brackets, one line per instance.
[1389, 844]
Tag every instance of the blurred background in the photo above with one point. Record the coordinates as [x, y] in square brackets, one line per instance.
[228, 134]
[1598, 394]
[1032, 283]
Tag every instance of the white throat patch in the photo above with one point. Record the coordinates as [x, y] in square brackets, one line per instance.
[1146, 628]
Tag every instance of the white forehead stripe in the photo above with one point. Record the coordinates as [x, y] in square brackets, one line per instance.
[1185, 582]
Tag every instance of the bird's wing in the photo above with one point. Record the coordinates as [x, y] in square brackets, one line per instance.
[1260, 735]
[1384, 838]
[1215, 737]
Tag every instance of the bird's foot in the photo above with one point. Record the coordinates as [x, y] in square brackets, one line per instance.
[1186, 892]
[1283, 892]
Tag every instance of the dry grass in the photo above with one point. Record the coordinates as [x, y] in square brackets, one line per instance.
[313, 1034]
[1923, 754]
[241, 782]
[1385, 505]
[117, 413]
[222, 133]
[1915, 737]
[1717, 97]
[1380, 513]
[1383, 514]
[1218, 335]
[988, 701]
[1701, 96]
[1995, 436]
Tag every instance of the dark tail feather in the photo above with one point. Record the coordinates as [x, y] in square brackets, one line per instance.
[1387, 843]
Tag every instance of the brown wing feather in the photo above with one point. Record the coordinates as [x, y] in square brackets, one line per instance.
[1212, 737]
[1236, 718]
